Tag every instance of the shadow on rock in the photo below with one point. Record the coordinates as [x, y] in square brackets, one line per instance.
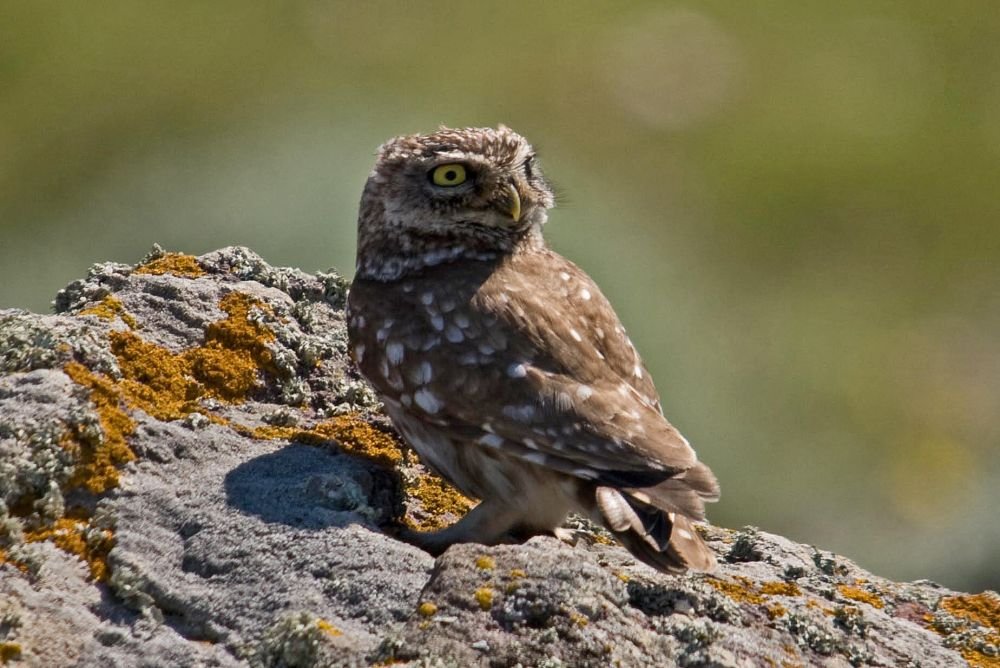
[308, 487]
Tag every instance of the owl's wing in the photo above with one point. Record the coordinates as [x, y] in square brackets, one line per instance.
[564, 388]
[600, 433]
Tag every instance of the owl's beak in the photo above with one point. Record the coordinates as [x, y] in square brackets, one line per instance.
[514, 201]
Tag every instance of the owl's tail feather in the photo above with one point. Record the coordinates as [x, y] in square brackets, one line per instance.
[685, 493]
[665, 540]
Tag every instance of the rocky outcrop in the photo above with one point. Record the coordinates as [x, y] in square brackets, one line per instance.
[192, 475]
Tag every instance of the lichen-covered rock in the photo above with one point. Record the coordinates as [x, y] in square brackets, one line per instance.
[192, 475]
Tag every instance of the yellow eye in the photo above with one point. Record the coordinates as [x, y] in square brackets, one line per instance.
[449, 175]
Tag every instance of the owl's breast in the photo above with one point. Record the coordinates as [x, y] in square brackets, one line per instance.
[423, 339]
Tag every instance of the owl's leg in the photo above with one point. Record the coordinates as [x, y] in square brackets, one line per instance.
[488, 524]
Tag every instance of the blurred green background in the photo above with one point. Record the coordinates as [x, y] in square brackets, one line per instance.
[795, 206]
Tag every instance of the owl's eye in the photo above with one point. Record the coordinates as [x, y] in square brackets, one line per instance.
[452, 174]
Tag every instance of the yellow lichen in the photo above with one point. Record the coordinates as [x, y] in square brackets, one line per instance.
[518, 573]
[235, 349]
[814, 603]
[350, 432]
[110, 308]
[153, 378]
[485, 562]
[357, 437]
[164, 384]
[5, 559]
[858, 594]
[9, 651]
[226, 366]
[328, 628]
[438, 499]
[484, 597]
[70, 535]
[97, 469]
[982, 610]
[741, 590]
[775, 610]
[780, 588]
[578, 619]
[624, 577]
[427, 609]
[178, 264]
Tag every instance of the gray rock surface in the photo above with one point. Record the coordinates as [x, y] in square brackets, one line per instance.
[192, 475]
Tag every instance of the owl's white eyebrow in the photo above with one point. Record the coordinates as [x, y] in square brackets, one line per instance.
[450, 156]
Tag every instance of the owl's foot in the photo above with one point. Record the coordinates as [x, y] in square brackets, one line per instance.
[487, 524]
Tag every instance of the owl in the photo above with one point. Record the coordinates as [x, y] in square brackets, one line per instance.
[503, 365]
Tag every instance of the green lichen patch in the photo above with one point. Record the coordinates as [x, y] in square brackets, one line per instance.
[297, 639]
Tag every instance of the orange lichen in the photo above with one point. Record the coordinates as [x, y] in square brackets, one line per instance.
[485, 562]
[981, 610]
[5, 559]
[858, 594]
[775, 610]
[178, 264]
[154, 379]
[602, 538]
[780, 588]
[741, 591]
[484, 597]
[350, 432]
[71, 536]
[9, 651]
[814, 603]
[328, 628]
[357, 437]
[427, 609]
[438, 500]
[110, 308]
[235, 349]
[97, 469]
[227, 366]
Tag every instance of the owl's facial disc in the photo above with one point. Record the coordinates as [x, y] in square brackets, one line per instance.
[469, 189]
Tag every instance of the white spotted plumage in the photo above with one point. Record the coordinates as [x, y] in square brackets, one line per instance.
[502, 363]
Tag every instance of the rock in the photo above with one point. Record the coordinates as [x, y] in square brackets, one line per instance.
[191, 474]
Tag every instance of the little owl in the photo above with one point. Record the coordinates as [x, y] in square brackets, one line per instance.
[503, 365]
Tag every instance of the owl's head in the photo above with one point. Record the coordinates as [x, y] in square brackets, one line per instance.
[470, 190]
